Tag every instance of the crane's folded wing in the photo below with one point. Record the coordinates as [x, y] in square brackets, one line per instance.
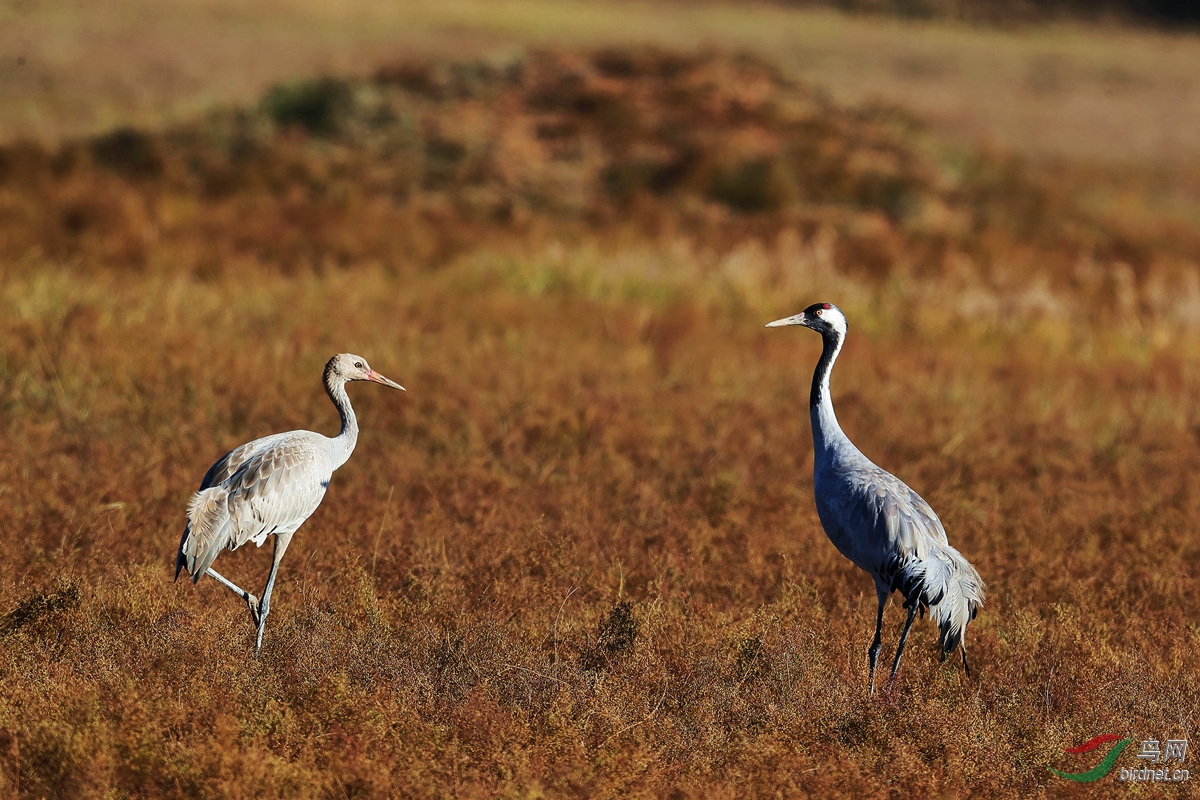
[899, 520]
[277, 488]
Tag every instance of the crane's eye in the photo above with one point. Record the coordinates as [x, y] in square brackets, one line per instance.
[818, 312]
[358, 364]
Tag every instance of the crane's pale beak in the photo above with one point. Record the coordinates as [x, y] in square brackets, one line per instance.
[375, 376]
[795, 319]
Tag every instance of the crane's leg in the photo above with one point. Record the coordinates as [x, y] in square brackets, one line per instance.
[282, 540]
[250, 599]
[912, 614]
[873, 652]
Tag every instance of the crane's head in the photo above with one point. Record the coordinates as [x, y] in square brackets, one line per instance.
[349, 367]
[824, 318]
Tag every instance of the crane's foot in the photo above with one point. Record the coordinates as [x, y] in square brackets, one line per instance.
[260, 622]
[262, 626]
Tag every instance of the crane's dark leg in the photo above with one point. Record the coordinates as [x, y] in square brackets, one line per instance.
[250, 599]
[882, 593]
[912, 614]
[282, 540]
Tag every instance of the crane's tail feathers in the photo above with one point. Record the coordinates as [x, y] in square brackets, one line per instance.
[208, 532]
[950, 587]
[962, 597]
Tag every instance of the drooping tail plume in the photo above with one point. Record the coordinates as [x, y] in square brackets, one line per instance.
[206, 534]
[951, 589]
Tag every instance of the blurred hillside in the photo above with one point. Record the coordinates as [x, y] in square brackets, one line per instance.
[1102, 94]
[1155, 12]
[430, 159]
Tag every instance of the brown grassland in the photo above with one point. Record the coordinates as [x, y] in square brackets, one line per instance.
[580, 557]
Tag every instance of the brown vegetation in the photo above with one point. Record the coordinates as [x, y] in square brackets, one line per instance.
[580, 556]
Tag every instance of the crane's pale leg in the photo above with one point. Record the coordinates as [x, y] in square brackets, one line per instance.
[282, 540]
[250, 599]
[873, 651]
[912, 614]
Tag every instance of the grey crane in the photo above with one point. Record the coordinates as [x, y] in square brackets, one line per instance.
[270, 486]
[877, 522]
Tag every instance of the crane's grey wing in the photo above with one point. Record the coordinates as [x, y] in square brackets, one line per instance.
[897, 520]
[272, 491]
[917, 518]
[276, 489]
[907, 541]
[230, 462]
[217, 474]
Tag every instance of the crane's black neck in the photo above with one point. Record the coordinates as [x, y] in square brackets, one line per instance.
[831, 344]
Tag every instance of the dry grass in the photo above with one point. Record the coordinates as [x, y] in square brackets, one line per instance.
[580, 556]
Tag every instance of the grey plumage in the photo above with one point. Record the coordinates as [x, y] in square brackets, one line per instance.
[270, 487]
[878, 522]
[278, 484]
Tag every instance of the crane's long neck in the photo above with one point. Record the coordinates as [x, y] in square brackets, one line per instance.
[343, 443]
[827, 434]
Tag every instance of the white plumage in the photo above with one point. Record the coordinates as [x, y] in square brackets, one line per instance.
[878, 522]
[270, 487]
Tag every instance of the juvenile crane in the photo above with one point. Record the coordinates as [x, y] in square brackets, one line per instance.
[877, 522]
[270, 486]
